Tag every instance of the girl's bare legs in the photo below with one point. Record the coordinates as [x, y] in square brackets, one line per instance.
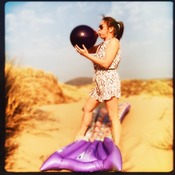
[112, 107]
[90, 105]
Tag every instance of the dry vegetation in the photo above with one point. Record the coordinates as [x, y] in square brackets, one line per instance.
[27, 87]
[163, 87]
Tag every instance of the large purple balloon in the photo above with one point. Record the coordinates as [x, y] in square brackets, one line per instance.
[83, 34]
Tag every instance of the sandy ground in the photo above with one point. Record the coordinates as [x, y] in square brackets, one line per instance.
[146, 141]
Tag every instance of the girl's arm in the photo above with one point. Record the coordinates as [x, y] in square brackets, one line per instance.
[111, 52]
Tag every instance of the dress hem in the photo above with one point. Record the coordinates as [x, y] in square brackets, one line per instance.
[105, 98]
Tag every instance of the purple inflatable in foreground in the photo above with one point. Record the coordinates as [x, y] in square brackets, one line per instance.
[87, 155]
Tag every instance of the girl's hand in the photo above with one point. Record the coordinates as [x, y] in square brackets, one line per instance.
[83, 51]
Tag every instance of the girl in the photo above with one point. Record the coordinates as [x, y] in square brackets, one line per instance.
[106, 78]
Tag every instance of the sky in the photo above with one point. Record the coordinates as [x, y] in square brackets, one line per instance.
[37, 34]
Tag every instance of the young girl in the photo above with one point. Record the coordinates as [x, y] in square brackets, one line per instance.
[106, 78]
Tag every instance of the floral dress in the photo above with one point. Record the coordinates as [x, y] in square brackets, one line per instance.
[107, 81]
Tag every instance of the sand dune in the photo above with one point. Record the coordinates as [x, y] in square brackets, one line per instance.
[43, 115]
[146, 142]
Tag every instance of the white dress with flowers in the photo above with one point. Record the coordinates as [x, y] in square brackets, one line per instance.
[107, 81]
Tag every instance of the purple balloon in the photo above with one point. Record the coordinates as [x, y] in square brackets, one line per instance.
[83, 34]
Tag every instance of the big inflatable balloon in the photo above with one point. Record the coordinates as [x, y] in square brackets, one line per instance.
[83, 34]
[96, 151]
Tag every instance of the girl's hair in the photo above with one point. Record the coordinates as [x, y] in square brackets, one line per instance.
[118, 26]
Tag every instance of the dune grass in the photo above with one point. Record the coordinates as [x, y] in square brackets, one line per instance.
[24, 89]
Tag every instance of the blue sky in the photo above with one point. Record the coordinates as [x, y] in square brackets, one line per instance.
[37, 35]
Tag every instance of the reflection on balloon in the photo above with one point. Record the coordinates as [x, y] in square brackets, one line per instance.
[83, 34]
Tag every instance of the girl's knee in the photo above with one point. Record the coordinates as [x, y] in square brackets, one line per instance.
[86, 109]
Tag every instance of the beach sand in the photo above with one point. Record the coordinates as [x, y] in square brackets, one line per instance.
[146, 140]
